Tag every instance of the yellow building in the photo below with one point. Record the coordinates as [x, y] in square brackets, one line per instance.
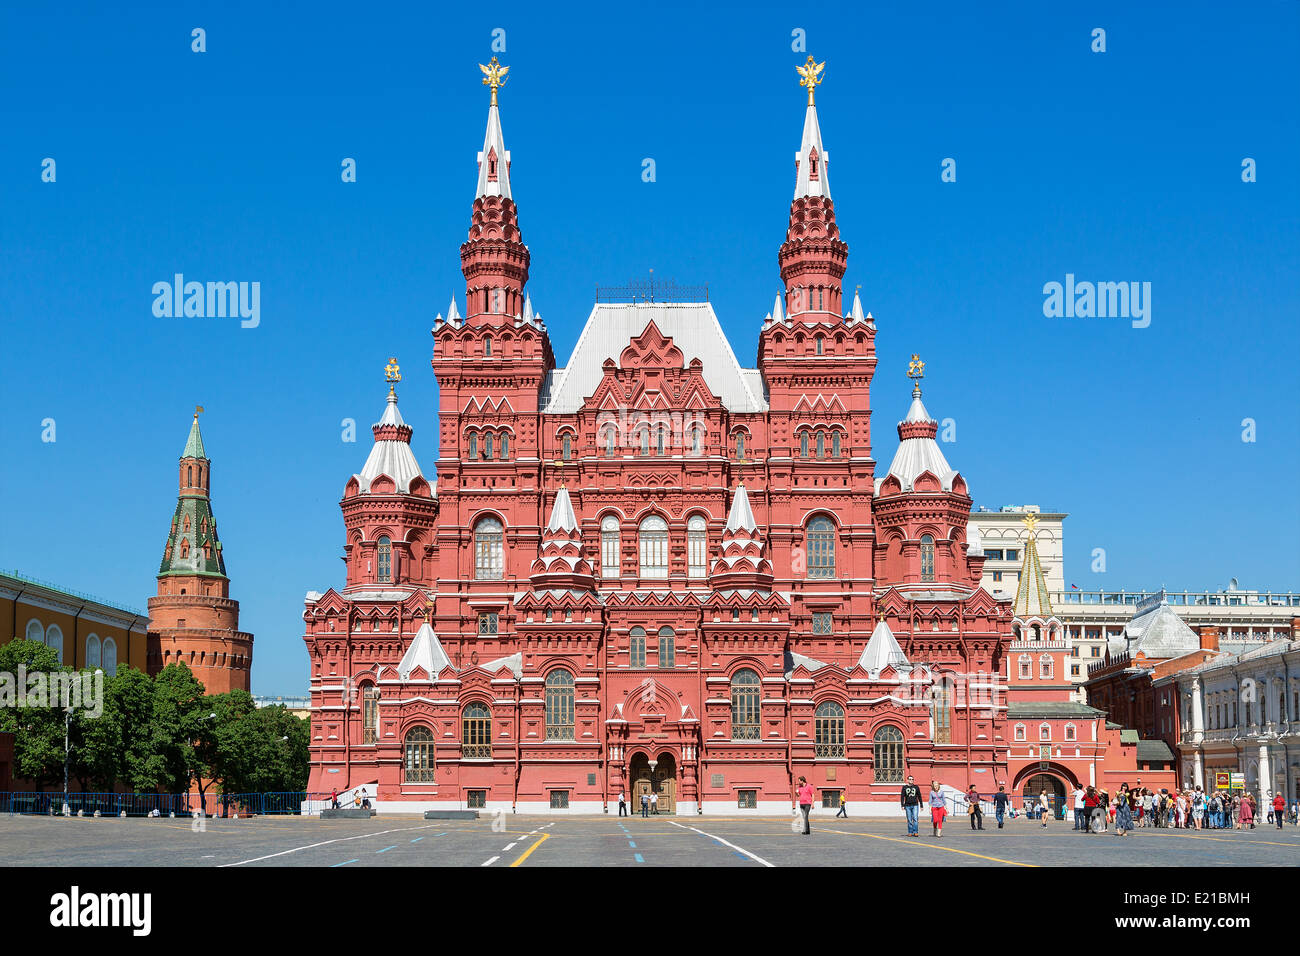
[85, 631]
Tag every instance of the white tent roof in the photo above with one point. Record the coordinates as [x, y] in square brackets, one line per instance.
[425, 651]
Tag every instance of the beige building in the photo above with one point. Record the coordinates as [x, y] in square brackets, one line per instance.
[1004, 537]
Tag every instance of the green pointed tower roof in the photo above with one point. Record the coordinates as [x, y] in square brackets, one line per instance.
[194, 444]
[1031, 594]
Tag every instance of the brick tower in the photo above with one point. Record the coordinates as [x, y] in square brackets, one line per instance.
[192, 619]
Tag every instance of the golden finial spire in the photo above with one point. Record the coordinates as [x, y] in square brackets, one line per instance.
[1031, 524]
[916, 372]
[810, 75]
[392, 374]
[494, 76]
[198, 410]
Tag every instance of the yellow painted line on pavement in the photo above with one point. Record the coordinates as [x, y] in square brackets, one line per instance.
[1188, 836]
[932, 846]
[540, 840]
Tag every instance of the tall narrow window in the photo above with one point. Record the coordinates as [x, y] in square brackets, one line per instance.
[667, 647]
[489, 550]
[654, 547]
[504, 453]
[636, 657]
[927, 558]
[566, 447]
[887, 747]
[696, 441]
[54, 640]
[645, 441]
[610, 547]
[740, 444]
[803, 444]
[609, 443]
[419, 755]
[659, 441]
[476, 732]
[745, 696]
[697, 544]
[473, 446]
[1045, 667]
[559, 705]
[821, 548]
[92, 652]
[941, 703]
[828, 723]
[385, 560]
[108, 657]
[487, 445]
[821, 345]
[821, 444]
[835, 444]
[487, 343]
[370, 714]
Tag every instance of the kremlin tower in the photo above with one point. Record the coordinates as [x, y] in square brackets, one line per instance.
[193, 620]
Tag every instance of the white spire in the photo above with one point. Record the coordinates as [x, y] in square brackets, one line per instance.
[777, 313]
[494, 160]
[805, 184]
[882, 651]
[855, 313]
[453, 313]
[426, 651]
[562, 516]
[528, 308]
[741, 515]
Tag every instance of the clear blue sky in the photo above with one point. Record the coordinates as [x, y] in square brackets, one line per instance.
[225, 166]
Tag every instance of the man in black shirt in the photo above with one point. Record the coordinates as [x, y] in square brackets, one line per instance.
[1000, 803]
[910, 798]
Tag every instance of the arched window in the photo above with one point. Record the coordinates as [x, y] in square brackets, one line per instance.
[489, 550]
[744, 705]
[941, 709]
[1044, 731]
[487, 343]
[659, 441]
[1020, 732]
[697, 545]
[888, 752]
[927, 557]
[609, 443]
[487, 445]
[697, 440]
[645, 441]
[473, 445]
[835, 444]
[803, 444]
[821, 345]
[821, 548]
[419, 755]
[821, 444]
[54, 639]
[740, 444]
[35, 631]
[559, 705]
[108, 657]
[92, 652]
[189, 476]
[1046, 669]
[476, 732]
[504, 453]
[610, 547]
[370, 715]
[654, 547]
[636, 655]
[828, 721]
[566, 447]
[385, 560]
[667, 647]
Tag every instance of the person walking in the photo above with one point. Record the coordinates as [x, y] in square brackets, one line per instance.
[805, 795]
[1248, 812]
[1000, 801]
[844, 805]
[1080, 798]
[1103, 810]
[1043, 807]
[1123, 811]
[1090, 803]
[938, 808]
[973, 809]
[622, 804]
[334, 799]
[1198, 809]
[1279, 809]
[910, 800]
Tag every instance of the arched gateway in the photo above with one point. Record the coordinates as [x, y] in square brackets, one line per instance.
[660, 779]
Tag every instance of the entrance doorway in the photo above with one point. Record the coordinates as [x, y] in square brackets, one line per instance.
[661, 780]
[1055, 792]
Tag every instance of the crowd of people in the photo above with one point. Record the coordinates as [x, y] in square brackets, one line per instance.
[1096, 810]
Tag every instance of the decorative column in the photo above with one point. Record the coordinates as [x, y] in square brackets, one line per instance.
[1265, 777]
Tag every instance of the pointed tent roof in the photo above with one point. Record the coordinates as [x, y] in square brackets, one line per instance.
[855, 311]
[1031, 593]
[805, 184]
[741, 514]
[426, 651]
[391, 454]
[194, 444]
[494, 142]
[882, 651]
[918, 451]
[562, 516]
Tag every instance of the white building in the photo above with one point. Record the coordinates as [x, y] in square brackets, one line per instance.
[1240, 713]
[1004, 538]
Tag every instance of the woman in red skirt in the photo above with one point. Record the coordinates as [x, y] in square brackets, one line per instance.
[938, 808]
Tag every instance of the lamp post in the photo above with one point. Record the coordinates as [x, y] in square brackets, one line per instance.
[67, 748]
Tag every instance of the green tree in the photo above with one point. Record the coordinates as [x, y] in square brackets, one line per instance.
[281, 758]
[115, 746]
[178, 710]
[38, 731]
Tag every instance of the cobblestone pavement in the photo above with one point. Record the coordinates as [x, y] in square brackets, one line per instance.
[393, 840]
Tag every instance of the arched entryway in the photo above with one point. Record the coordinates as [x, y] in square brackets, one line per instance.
[661, 778]
[1040, 782]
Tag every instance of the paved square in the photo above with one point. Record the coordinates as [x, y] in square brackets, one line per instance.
[609, 841]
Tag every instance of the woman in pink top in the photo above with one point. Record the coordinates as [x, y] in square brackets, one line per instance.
[805, 802]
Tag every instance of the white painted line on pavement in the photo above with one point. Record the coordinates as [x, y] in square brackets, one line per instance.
[311, 846]
[491, 861]
[738, 849]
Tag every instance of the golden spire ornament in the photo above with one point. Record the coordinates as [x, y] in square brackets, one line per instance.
[198, 410]
[494, 76]
[1030, 522]
[916, 372]
[810, 75]
[392, 374]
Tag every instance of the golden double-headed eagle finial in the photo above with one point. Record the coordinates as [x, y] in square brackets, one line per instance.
[494, 76]
[810, 74]
[392, 374]
[1031, 524]
[916, 368]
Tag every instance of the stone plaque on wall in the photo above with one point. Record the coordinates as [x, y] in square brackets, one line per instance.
[719, 780]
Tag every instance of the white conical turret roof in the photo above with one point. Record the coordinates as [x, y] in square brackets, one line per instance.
[741, 515]
[562, 516]
[805, 184]
[453, 313]
[494, 145]
[882, 651]
[426, 651]
[919, 453]
[391, 456]
[778, 309]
